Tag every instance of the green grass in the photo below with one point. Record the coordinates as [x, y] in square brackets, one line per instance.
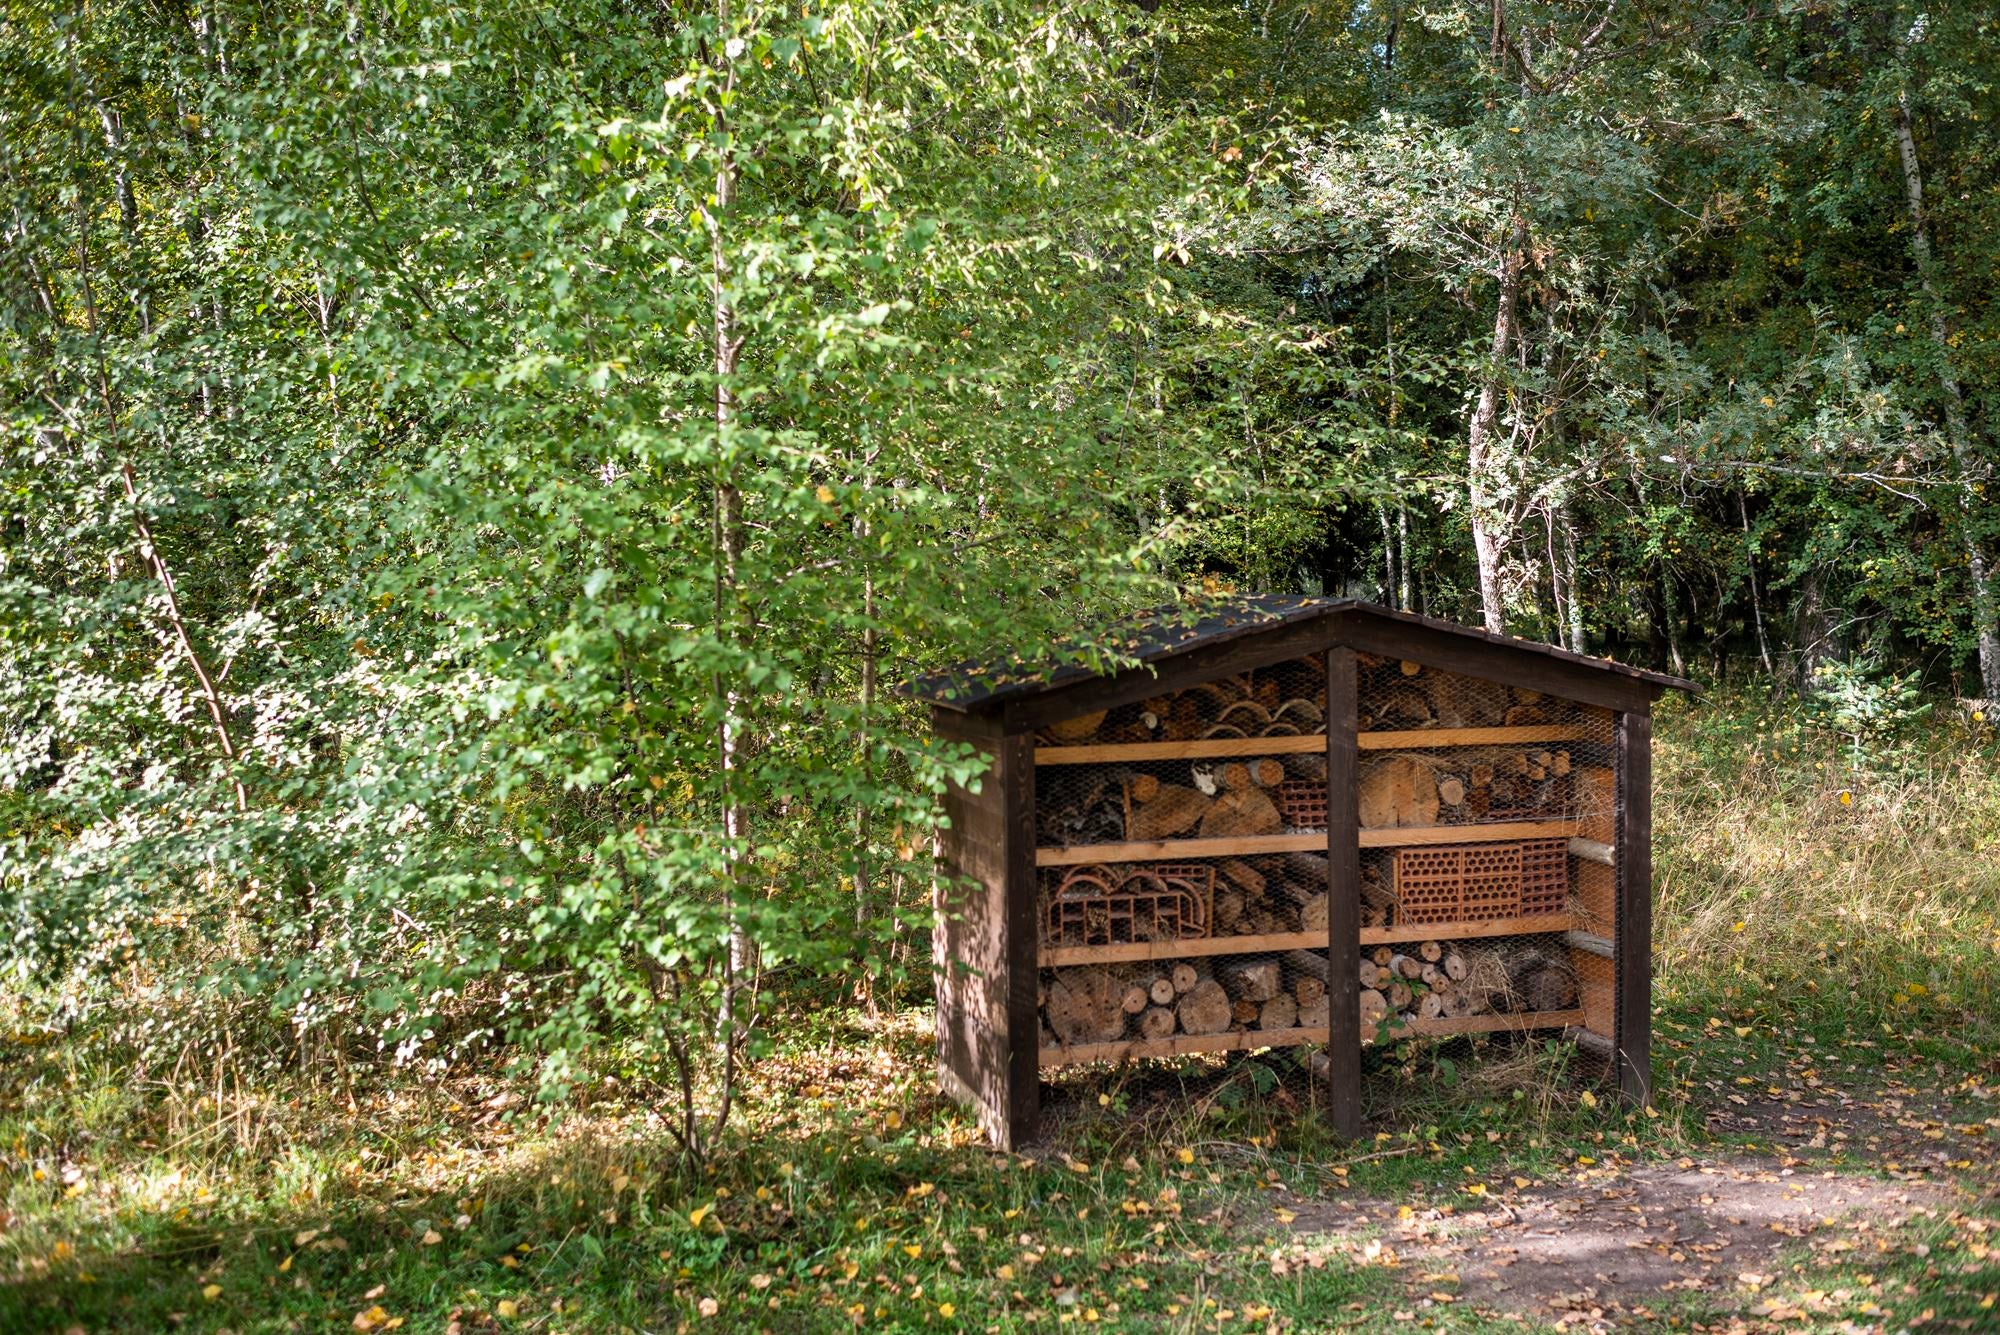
[1806, 945]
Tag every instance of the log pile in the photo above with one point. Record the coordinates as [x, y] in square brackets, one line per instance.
[1286, 699]
[1220, 799]
[1432, 980]
[1399, 695]
[1111, 1003]
[1463, 785]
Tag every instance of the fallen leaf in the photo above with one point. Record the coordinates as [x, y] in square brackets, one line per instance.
[211, 1291]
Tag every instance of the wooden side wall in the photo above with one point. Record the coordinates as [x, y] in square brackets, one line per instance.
[986, 1040]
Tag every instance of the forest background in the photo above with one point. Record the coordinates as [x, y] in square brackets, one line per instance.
[474, 474]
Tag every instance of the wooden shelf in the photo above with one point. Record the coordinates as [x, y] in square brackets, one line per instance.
[1481, 1024]
[1241, 1040]
[1180, 1045]
[1080, 854]
[1410, 836]
[1466, 931]
[1413, 739]
[1249, 845]
[1189, 750]
[1057, 957]
[1419, 739]
[1054, 957]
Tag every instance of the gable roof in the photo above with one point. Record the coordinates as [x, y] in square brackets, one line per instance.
[1167, 632]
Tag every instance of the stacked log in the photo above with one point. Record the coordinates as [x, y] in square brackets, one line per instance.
[1113, 1003]
[1256, 896]
[1400, 695]
[1463, 784]
[1286, 699]
[1431, 980]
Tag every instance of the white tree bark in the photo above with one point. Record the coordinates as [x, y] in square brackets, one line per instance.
[1485, 464]
[1971, 469]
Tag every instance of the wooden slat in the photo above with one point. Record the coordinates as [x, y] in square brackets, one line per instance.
[1079, 855]
[1412, 836]
[1465, 931]
[1487, 1024]
[1104, 752]
[1054, 957]
[1180, 1045]
[1418, 739]
[1082, 854]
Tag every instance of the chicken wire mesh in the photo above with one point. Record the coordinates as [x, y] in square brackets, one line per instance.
[1135, 948]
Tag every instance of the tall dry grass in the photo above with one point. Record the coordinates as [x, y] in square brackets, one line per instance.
[1844, 870]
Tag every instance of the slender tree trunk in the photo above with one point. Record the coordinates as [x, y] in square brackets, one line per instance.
[1388, 555]
[870, 651]
[1756, 598]
[1484, 475]
[1403, 558]
[1971, 469]
[1573, 623]
[728, 537]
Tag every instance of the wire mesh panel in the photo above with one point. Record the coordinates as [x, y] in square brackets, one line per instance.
[1181, 856]
[1184, 884]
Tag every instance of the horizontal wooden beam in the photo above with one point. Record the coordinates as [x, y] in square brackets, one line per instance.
[1125, 952]
[1415, 835]
[1417, 739]
[1078, 855]
[1486, 1024]
[1465, 931]
[1240, 1040]
[1125, 752]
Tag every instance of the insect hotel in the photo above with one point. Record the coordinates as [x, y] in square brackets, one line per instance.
[1292, 821]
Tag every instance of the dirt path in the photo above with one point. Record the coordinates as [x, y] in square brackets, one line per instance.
[1608, 1248]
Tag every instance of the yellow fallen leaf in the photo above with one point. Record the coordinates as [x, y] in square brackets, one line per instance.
[1584, 1161]
[1284, 1216]
[285, 1265]
[699, 1213]
[507, 1309]
[947, 1311]
[912, 1250]
[1005, 1274]
[211, 1291]
[1476, 1189]
[373, 1318]
[825, 494]
[1736, 926]
[1185, 1156]
[1523, 1183]
[1589, 1099]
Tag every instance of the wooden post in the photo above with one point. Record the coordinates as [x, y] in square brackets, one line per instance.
[1634, 926]
[1343, 897]
[1021, 1104]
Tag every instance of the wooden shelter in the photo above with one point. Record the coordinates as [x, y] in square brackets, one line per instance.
[1292, 821]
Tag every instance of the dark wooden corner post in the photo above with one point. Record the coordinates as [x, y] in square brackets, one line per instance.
[1020, 1106]
[1343, 896]
[1633, 1053]
[984, 935]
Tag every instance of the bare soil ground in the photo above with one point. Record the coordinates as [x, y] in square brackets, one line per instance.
[1731, 1241]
